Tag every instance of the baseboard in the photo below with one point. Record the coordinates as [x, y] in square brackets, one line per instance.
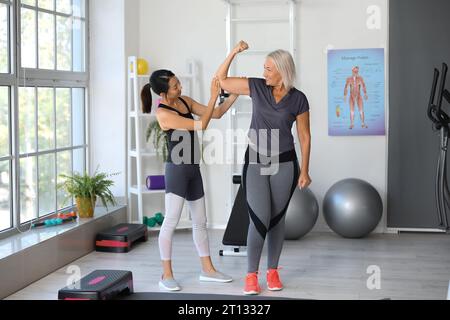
[217, 226]
[415, 230]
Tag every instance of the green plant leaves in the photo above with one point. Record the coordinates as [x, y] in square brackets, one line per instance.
[159, 138]
[86, 186]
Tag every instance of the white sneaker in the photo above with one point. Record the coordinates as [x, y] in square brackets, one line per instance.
[215, 277]
[169, 285]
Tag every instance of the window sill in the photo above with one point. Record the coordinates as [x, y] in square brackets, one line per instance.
[30, 256]
[30, 237]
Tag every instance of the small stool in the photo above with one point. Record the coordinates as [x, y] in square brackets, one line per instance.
[120, 237]
[99, 285]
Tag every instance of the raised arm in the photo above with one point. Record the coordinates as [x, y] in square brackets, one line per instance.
[233, 84]
[169, 120]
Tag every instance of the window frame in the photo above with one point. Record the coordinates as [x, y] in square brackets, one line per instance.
[32, 77]
[10, 158]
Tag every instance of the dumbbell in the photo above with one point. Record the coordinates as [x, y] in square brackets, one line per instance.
[158, 218]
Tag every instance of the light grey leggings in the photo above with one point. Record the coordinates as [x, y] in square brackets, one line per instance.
[268, 197]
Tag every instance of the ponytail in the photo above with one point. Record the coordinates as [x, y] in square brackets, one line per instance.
[146, 98]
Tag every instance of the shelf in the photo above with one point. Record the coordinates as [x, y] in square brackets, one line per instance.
[134, 190]
[144, 153]
[142, 115]
[139, 76]
[259, 2]
[242, 112]
[185, 76]
[147, 76]
[255, 52]
[260, 20]
[237, 112]
[245, 98]
[180, 225]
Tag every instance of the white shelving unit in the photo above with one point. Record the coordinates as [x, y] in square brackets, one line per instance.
[137, 152]
[240, 115]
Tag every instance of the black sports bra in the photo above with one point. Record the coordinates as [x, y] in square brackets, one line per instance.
[175, 137]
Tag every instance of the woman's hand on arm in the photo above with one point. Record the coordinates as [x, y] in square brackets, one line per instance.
[206, 116]
[170, 120]
[199, 109]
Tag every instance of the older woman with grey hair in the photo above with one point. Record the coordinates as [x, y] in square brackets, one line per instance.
[277, 104]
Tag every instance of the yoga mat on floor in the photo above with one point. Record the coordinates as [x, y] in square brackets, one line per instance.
[192, 296]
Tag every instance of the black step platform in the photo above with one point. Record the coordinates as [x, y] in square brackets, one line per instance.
[99, 285]
[121, 237]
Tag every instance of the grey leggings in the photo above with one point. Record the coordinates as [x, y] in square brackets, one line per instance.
[268, 197]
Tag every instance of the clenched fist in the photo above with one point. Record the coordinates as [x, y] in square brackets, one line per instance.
[241, 46]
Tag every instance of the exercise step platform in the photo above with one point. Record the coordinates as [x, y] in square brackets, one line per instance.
[99, 285]
[121, 237]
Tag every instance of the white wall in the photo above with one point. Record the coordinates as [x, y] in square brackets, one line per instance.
[172, 32]
[341, 24]
[113, 36]
[199, 32]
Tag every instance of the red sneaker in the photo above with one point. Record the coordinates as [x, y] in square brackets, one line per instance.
[251, 284]
[273, 280]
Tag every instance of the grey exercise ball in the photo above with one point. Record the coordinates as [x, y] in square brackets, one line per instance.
[301, 215]
[352, 208]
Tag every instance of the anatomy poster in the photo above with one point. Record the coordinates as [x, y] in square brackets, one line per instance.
[356, 92]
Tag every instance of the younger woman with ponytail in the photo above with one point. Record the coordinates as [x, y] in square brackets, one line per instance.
[182, 172]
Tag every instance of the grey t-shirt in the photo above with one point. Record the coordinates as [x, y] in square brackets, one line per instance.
[271, 126]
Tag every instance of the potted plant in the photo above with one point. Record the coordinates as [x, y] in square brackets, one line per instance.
[159, 139]
[85, 189]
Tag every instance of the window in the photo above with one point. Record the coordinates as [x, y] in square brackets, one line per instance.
[43, 86]
[4, 36]
[53, 144]
[53, 34]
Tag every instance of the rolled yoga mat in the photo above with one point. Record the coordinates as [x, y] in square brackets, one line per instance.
[155, 182]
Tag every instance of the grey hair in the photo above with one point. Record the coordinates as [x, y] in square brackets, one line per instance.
[285, 65]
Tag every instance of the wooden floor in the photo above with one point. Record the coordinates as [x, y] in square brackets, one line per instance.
[319, 266]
